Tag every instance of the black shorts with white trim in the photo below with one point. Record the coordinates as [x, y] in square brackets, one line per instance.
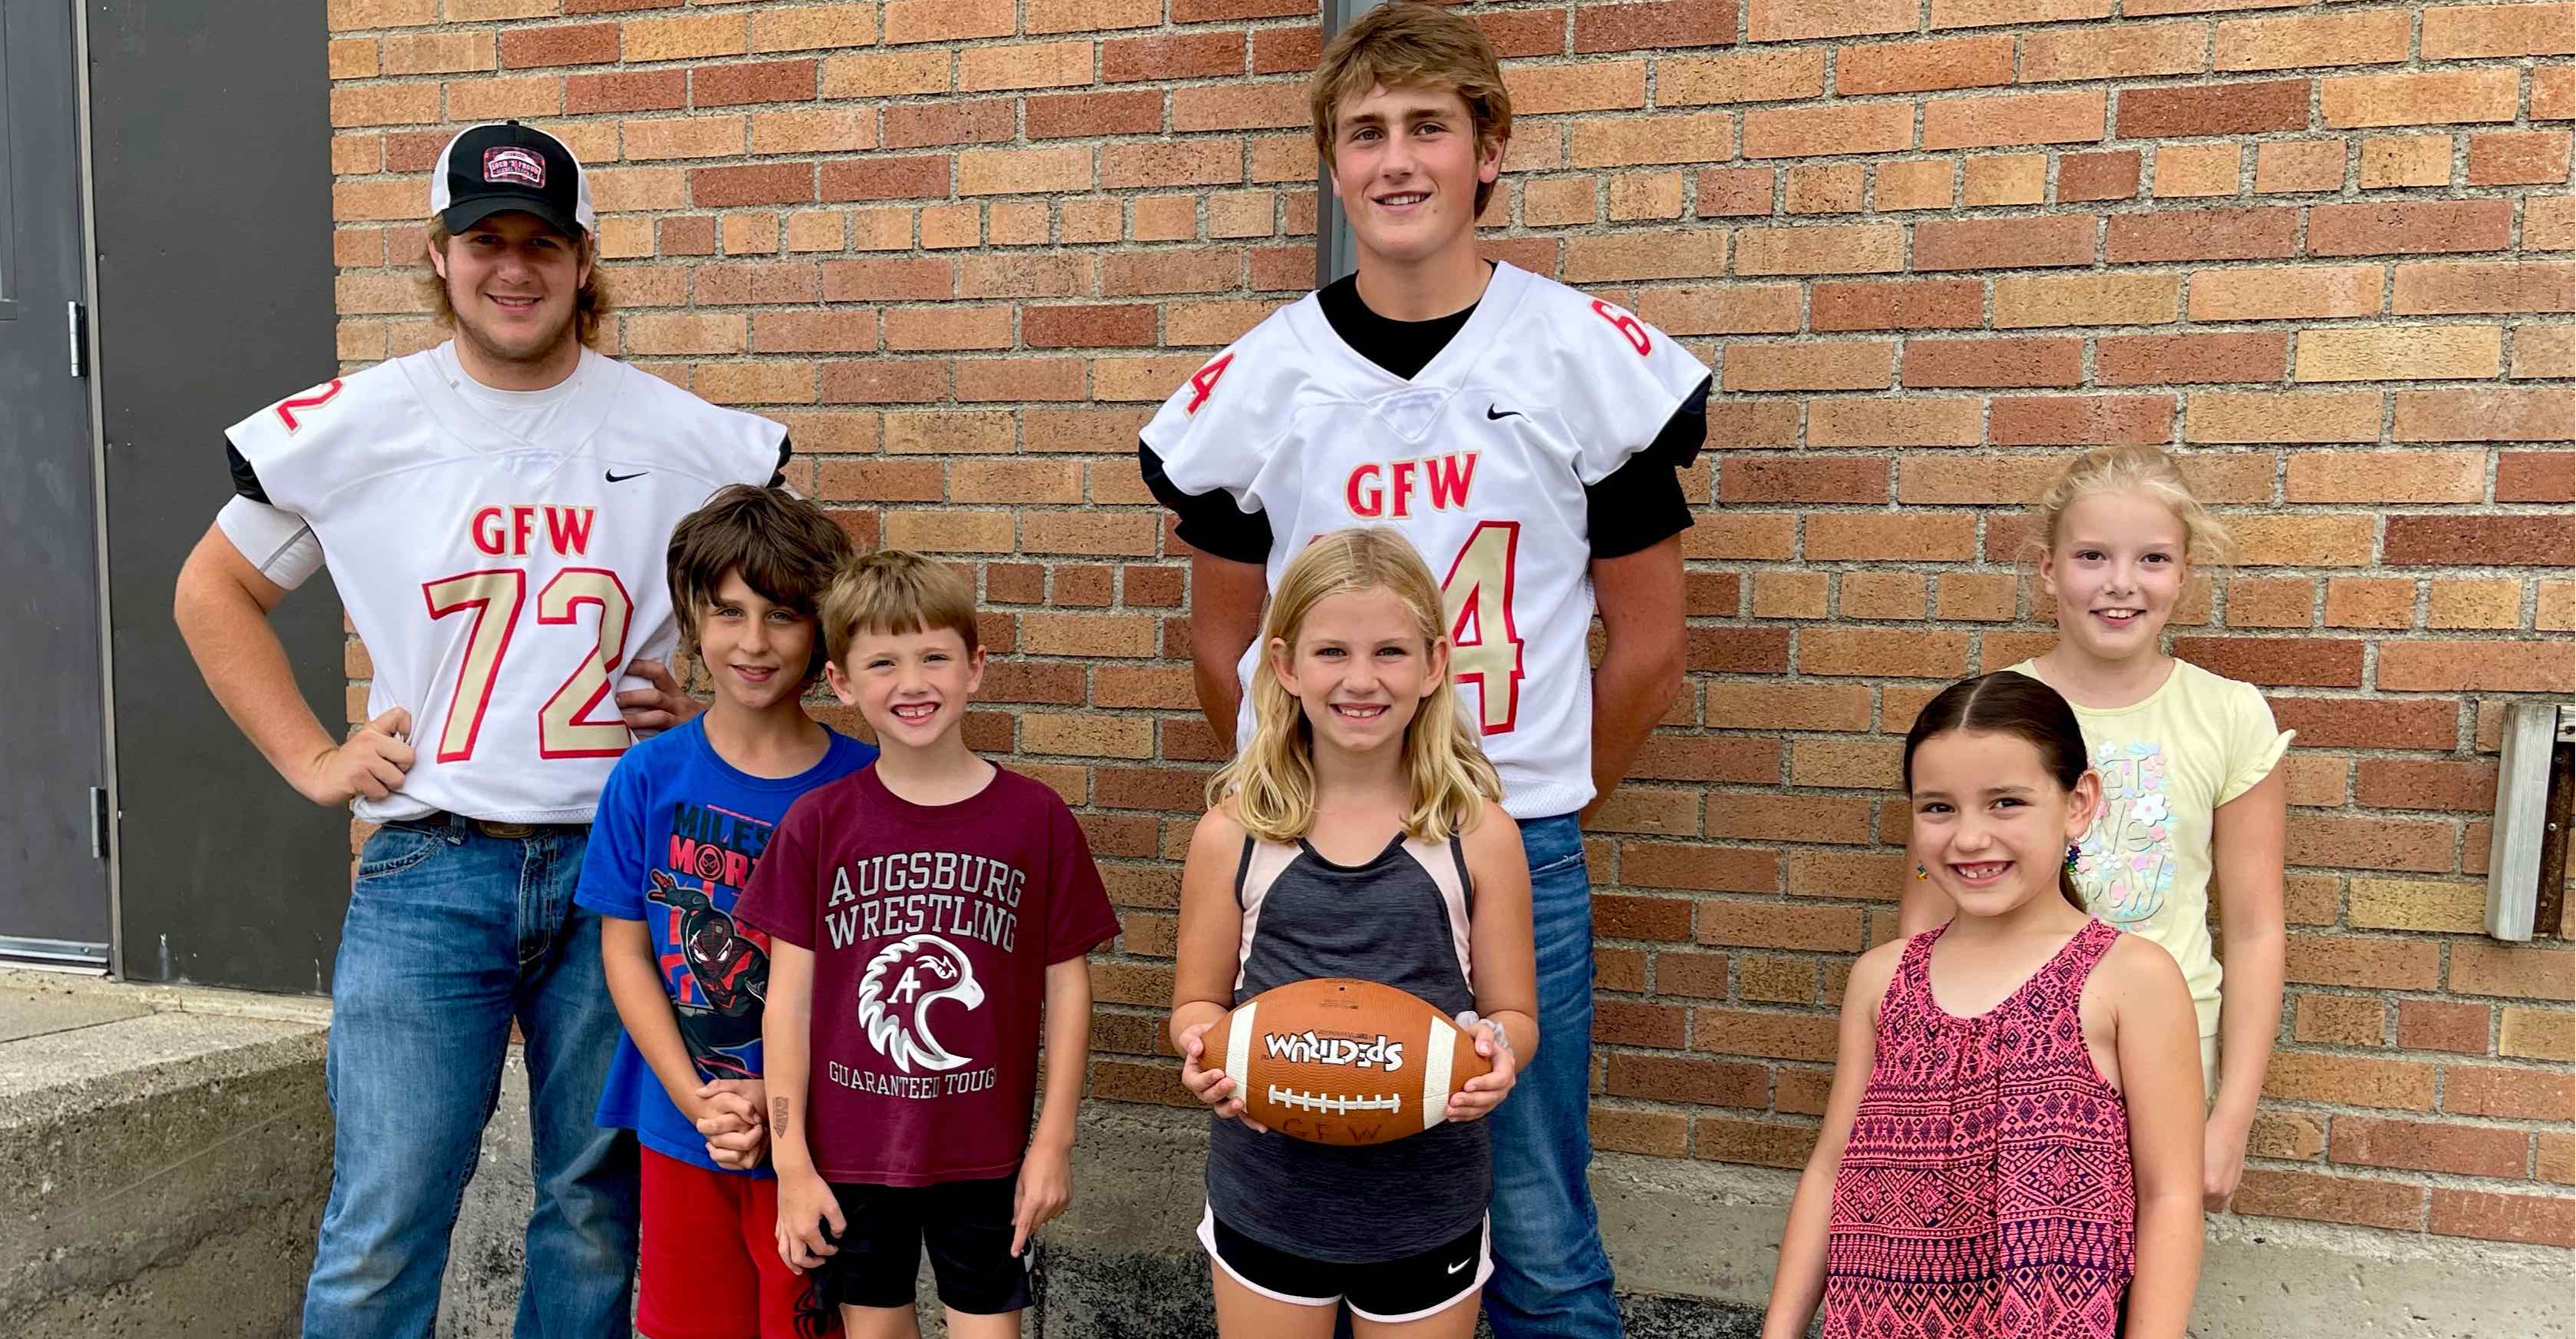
[1389, 1292]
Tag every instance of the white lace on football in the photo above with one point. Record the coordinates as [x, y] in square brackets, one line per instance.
[1331, 1105]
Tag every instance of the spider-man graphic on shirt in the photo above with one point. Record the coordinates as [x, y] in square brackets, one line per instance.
[718, 974]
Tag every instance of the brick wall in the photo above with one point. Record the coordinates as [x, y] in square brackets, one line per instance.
[963, 246]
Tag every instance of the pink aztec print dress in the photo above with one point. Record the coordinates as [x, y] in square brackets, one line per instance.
[1986, 1192]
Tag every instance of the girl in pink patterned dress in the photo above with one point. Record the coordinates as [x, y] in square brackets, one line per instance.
[2012, 1148]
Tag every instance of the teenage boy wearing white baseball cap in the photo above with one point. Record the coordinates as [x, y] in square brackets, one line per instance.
[495, 513]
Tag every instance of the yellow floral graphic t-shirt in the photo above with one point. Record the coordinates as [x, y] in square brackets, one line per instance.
[2167, 763]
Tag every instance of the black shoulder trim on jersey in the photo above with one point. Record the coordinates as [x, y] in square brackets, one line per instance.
[1639, 506]
[245, 479]
[786, 448]
[1685, 432]
[1210, 522]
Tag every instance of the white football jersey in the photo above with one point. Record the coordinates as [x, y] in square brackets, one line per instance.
[501, 585]
[1481, 460]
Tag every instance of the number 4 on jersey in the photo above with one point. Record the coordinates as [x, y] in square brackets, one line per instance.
[1485, 646]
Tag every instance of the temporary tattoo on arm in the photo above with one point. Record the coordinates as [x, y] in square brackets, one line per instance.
[777, 1116]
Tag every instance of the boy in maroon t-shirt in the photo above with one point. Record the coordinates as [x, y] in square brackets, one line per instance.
[920, 911]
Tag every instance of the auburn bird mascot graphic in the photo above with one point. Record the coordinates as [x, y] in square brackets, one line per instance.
[896, 994]
[730, 976]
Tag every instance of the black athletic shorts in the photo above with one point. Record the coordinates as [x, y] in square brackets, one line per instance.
[1389, 1292]
[965, 1224]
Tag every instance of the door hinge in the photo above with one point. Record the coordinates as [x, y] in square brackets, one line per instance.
[98, 822]
[77, 319]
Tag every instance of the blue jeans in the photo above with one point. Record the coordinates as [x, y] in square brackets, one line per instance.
[1551, 1276]
[451, 935]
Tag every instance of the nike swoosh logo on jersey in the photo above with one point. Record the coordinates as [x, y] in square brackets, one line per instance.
[617, 478]
[1493, 413]
[1460, 1265]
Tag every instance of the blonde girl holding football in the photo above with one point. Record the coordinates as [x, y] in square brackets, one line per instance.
[1357, 835]
[2192, 790]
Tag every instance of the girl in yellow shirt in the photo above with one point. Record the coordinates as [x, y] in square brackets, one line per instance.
[2189, 765]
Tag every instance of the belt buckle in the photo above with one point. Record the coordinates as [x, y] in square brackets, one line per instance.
[505, 831]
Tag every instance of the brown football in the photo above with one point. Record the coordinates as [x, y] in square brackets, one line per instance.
[1336, 1061]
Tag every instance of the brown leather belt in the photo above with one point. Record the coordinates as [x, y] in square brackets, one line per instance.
[498, 830]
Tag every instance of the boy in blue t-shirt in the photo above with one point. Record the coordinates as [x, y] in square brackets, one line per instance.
[680, 827]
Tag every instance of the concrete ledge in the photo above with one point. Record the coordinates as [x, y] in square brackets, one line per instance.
[164, 1156]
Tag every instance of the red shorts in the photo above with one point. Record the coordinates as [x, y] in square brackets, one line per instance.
[709, 1252]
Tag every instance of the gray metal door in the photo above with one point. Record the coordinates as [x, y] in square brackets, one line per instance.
[54, 902]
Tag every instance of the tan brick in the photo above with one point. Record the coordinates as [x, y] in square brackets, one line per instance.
[2124, 51]
[1721, 310]
[2439, 98]
[813, 27]
[2266, 294]
[385, 105]
[1801, 20]
[1852, 249]
[2405, 160]
[1841, 365]
[1023, 171]
[2387, 476]
[1977, 13]
[1917, 184]
[1912, 420]
[692, 38]
[1860, 127]
[2350, 1080]
[2187, 170]
[1825, 188]
[2537, 1034]
[2367, 37]
[2006, 179]
[947, 20]
[885, 74]
[1918, 67]
[2341, 1020]
[2393, 352]
[504, 99]
[2544, 351]
[2416, 904]
[436, 53]
[2084, 299]
[1628, 141]
[2441, 288]
[2369, 604]
[2298, 165]
[2490, 604]
[1592, 86]
[2484, 414]
[2465, 31]
[1752, 76]
[1686, 254]
[345, 15]
[831, 131]
[686, 137]
[1028, 65]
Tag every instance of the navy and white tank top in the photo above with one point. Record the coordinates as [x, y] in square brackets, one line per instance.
[1399, 920]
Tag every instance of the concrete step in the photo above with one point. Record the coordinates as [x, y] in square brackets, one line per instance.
[164, 1155]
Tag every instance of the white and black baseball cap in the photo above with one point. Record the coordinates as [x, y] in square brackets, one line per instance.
[503, 166]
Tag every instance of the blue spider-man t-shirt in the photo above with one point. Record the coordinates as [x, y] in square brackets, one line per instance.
[674, 842]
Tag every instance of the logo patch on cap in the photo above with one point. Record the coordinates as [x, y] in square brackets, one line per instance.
[508, 163]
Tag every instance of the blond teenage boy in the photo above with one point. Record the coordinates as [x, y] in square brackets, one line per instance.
[1526, 438]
